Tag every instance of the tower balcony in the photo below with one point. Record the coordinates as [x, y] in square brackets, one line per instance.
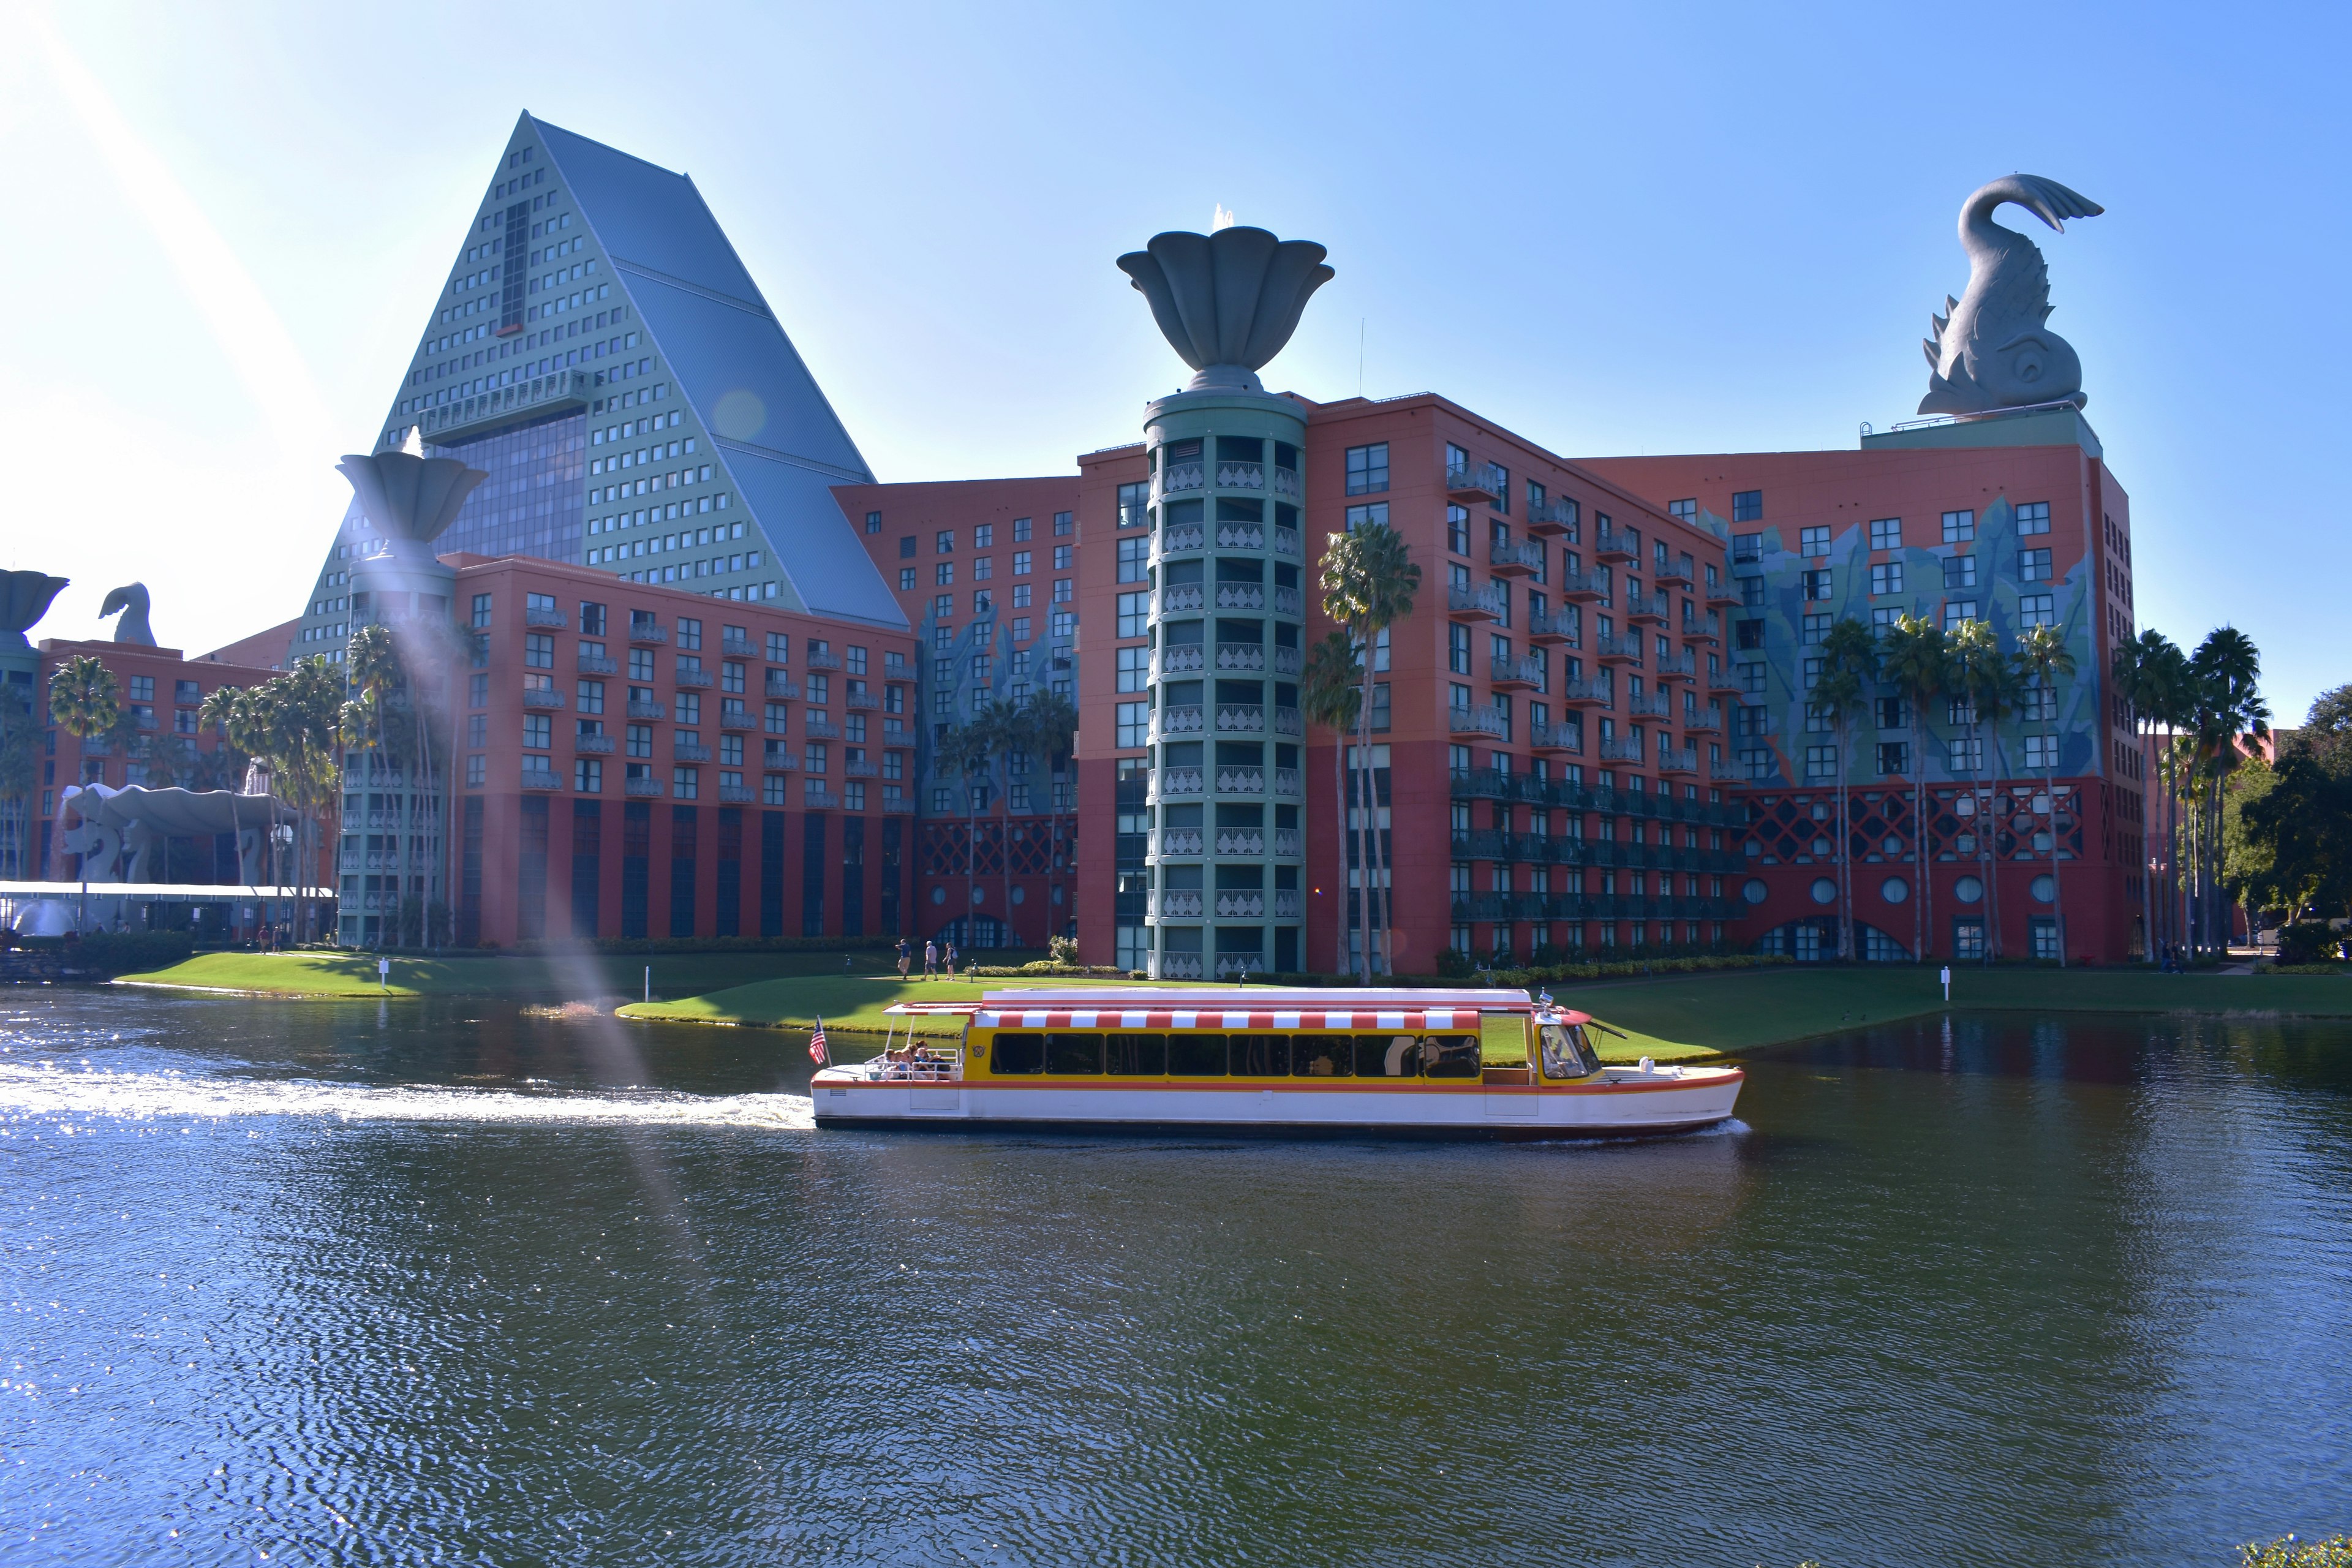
[1521, 674]
[1512, 560]
[1581, 586]
[1474, 483]
[1472, 603]
[1683, 665]
[1548, 629]
[1616, 546]
[1551, 518]
[1652, 609]
[1676, 572]
[1568, 739]
[1610, 649]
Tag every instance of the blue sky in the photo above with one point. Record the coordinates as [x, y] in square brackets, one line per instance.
[1631, 229]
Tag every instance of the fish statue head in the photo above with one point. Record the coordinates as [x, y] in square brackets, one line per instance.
[1992, 349]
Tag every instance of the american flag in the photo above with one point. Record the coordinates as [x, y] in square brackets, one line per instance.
[816, 1043]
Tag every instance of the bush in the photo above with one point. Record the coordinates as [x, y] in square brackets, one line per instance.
[127, 951]
[670, 945]
[2308, 942]
[2287, 1551]
[1045, 966]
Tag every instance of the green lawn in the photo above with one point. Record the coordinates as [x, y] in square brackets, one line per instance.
[570, 978]
[1677, 1017]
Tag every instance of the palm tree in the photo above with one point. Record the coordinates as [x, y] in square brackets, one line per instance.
[1369, 579]
[1994, 689]
[1002, 731]
[1049, 730]
[2164, 687]
[1849, 662]
[2043, 658]
[85, 699]
[20, 772]
[2230, 706]
[1329, 694]
[955, 755]
[1913, 657]
[372, 663]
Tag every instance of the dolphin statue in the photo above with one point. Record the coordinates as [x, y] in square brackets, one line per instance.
[131, 599]
[1992, 349]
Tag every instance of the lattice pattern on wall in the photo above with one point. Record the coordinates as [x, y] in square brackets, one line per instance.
[948, 848]
[1802, 829]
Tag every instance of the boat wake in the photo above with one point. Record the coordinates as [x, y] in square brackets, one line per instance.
[55, 1088]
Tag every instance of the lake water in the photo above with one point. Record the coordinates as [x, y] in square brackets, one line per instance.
[437, 1283]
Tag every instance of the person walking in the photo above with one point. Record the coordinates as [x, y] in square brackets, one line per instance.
[930, 959]
[952, 958]
[905, 956]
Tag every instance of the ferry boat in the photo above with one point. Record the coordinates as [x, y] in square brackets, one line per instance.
[1288, 1061]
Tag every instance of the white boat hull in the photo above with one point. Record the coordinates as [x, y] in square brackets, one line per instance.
[1622, 1102]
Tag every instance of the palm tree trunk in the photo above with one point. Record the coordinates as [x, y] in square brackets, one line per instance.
[1844, 848]
[1377, 863]
[1340, 826]
[2057, 903]
[1918, 837]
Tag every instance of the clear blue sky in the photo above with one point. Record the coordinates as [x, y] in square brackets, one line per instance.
[1621, 229]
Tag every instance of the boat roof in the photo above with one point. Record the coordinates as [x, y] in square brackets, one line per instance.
[1261, 998]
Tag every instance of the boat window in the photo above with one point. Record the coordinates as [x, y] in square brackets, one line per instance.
[1563, 1052]
[1138, 1056]
[1074, 1053]
[1450, 1056]
[1320, 1055]
[1018, 1054]
[1196, 1055]
[1387, 1055]
[1261, 1056]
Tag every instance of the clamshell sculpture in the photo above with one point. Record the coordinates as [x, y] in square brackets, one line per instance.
[25, 598]
[1227, 301]
[408, 499]
[1992, 349]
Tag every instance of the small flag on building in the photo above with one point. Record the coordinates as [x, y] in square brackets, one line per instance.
[816, 1043]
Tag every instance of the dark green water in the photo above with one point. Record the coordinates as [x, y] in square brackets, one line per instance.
[438, 1284]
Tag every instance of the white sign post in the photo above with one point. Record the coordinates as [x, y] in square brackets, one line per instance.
[1948, 982]
[384, 974]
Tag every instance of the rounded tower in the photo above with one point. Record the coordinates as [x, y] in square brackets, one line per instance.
[1228, 609]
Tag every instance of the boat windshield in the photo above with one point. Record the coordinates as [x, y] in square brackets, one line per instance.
[1565, 1052]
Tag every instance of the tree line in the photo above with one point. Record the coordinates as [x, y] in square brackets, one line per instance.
[1012, 733]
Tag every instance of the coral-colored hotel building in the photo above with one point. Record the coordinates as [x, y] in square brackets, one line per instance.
[717, 656]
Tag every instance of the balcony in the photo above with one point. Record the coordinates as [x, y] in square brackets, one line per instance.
[1706, 720]
[1241, 656]
[780, 684]
[1653, 609]
[597, 664]
[1241, 718]
[1708, 630]
[1288, 660]
[1725, 681]
[1240, 906]
[1286, 482]
[1177, 841]
[1289, 721]
[1288, 843]
[1472, 602]
[646, 788]
[1182, 538]
[1676, 572]
[1565, 738]
[816, 797]
[1553, 517]
[1178, 597]
[1240, 476]
[1720, 595]
[1650, 705]
[1582, 691]
[1241, 841]
[541, 778]
[1241, 596]
[861, 770]
[537, 696]
[781, 762]
[537, 617]
[821, 659]
[1523, 673]
[652, 634]
[817, 726]
[1622, 749]
[686, 676]
[737, 718]
[1177, 477]
[1178, 658]
[1617, 650]
[1180, 719]
[592, 745]
[689, 752]
[865, 700]
[1581, 586]
[1241, 781]
[1616, 546]
[1510, 560]
[640, 708]
[1175, 904]
[1289, 782]
[1474, 722]
[1548, 629]
[738, 795]
[1286, 541]
[735, 645]
[1289, 904]
[1683, 665]
[1240, 536]
[1678, 760]
[1480, 783]
[1474, 483]
[1169, 781]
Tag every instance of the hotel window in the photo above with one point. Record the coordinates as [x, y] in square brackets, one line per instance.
[1893, 758]
[683, 782]
[984, 569]
[780, 647]
[689, 632]
[1368, 468]
[2041, 750]
[1457, 530]
[1960, 527]
[1957, 611]
[1892, 712]
[588, 775]
[1966, 753]
[1134, 612]
[906, 547]
[1886, 578]
[2037, 609]
[538, 731]
[1134, 668]
[1021, 559]
[943, 607]
[873, 523]
[1021, 595]
[2040, 705]
[2034, 565]
[1368, 515]
[591, 697]
[1065, 623]
[1134, 560]
[1887, 533]
[1751, 593]
[1821, 762]
[1020, 627]
[943, 542]
[1815, 585]
[539, 651]
[983, 535]
[481, 611]
[1062, 556]
[943, 575]
[1752, 678]
[1960, 572]
[982, 602]
[2033, 517]
[476, 771]
[639, 741]
[1813, 541]
[1457, 650]
[1134, 724]
[1683, 511]
[1817, 627]
[1747, 506]
[1134, 502]
[1747, 636]
[1061, 590]
[905, 579]
[1066, 522]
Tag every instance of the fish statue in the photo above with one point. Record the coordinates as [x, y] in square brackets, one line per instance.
[129, 602]
[1992, 349]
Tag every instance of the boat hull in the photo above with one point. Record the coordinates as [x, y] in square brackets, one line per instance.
[1622, 1107]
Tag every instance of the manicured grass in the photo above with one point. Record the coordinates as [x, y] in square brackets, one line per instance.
[569, 978]
[1673, 1018]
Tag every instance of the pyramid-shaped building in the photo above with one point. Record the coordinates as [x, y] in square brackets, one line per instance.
[602, 354]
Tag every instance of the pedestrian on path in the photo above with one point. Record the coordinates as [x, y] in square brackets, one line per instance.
[906, 955]
[952, 958]
[931, 958]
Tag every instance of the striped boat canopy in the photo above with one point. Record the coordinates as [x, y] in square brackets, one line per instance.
[1381, 1022]
[1255, 1008]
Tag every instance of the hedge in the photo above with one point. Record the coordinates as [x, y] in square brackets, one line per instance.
[662, 944]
